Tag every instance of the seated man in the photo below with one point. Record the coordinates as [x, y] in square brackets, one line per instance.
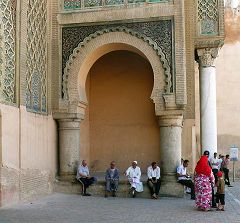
[84, 176]
[134, 174]
[184, 178]
[112, 178]
[153, 181]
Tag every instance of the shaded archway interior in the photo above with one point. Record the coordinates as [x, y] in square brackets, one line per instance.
[93, 57]
[120, 122]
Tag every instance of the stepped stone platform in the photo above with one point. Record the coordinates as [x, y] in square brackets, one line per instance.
[70, 185]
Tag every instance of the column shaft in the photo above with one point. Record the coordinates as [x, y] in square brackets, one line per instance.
[170, 142]
[69, 146]
[208, 108]
[208, 112]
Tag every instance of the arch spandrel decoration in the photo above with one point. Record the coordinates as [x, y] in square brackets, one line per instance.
[85, 57]
[155, 47]
[157, 35]
[7, 51]
[160, 32]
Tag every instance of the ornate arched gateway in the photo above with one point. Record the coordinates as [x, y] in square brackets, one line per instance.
[49, 47]
[74, 99]
[155, 32]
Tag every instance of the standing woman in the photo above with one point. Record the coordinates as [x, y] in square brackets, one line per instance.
[204, 179]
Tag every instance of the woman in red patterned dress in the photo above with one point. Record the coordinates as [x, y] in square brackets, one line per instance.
[204, 179]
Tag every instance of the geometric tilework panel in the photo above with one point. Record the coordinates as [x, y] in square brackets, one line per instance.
[159, 31]
[86, 4]
[36, 77]
[208, 17]
[7, 51]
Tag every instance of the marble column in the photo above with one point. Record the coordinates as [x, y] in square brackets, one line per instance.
[69, 146]
[208, 110]
[170, 142]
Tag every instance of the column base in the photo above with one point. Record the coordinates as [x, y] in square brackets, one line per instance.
[170, 187]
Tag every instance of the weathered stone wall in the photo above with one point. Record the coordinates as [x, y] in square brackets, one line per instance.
[9, 186]
[24, 185]
[28, 154]
[28, 142]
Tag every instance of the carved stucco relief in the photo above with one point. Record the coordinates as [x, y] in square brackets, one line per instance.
[36, 92]
[89, 4]
[207, 56]
[157, 34]
[7, 51]
[208, 17]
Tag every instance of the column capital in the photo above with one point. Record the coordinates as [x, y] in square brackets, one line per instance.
[61, 116]
[207, 56]
[69, 124]
[170, 120]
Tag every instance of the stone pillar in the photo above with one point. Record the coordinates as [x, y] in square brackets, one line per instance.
[170, 142]
[208, 110]
[69, 146]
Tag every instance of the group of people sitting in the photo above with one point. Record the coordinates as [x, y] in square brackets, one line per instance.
[207, 176]
[133, 174]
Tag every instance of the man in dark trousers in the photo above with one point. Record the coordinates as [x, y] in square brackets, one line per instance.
[184, 178]
[112, 178]
[154, 181]
[225, 166]
[84, 177]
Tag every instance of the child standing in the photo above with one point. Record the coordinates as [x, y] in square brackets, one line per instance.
[220, 196]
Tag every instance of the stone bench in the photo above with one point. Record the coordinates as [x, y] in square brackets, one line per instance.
[72, 186]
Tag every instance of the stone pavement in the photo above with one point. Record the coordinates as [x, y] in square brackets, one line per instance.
[65, 208]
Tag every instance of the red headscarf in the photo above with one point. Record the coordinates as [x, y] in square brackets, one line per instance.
[219, 173]
[203, 167]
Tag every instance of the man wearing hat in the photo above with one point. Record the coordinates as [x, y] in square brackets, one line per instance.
[133, 174]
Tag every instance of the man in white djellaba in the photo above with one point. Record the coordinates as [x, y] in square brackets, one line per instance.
[133, 174]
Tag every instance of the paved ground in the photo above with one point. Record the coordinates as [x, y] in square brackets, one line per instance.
[62, 208]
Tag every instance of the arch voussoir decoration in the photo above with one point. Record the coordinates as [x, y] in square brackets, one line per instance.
[149, 41]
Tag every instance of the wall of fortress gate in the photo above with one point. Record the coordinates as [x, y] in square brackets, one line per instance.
[228, 81]
[28, 145]
[29, 82]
